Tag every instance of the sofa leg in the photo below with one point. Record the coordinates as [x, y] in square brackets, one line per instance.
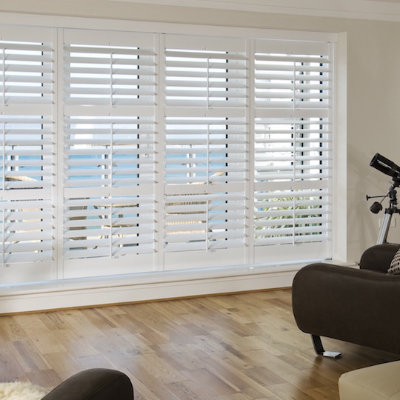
[319, 348]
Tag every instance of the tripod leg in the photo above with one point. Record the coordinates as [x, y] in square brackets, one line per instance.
[319, 348]
[384, 228]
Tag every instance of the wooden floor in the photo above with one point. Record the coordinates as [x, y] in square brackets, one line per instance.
[234, 347]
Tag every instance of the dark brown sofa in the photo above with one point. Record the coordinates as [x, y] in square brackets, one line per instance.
[94, 384]
[358, 305]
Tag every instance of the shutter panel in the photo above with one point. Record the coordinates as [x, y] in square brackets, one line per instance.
[120, 71]
[109, 152]
[109, 139]
[291, 216]
[292, 146]
[26, 72]
[292, 149]
[205, 175]
[203, 73]
[28, 147]
[204, 222]
[290, 75]
[27, 155]
[206, 151]
[109, 226]
[27, 234]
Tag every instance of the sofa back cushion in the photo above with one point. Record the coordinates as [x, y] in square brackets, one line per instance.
[395, 264]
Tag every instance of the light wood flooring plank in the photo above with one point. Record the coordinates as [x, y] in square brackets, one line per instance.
[230, 347]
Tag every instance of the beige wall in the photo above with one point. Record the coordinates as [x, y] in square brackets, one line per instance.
[373, 86]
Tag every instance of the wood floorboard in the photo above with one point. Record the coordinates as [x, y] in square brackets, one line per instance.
[231, 347]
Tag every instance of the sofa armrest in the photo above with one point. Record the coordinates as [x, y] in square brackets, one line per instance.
[378, 257]
[94, 384]
[349, 304]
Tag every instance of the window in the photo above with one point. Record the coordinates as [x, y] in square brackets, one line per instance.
[148, 152]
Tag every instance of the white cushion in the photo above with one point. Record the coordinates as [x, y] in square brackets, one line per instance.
[372, 383]
[395, 264]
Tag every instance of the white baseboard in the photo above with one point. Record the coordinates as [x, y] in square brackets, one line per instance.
[126, 289]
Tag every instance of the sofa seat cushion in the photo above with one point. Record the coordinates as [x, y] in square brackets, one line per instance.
[372, 383]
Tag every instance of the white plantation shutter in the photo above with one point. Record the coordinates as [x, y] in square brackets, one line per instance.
[292, 147]
[27, 165]
[109, 139]
[126, 152]
[205, 150]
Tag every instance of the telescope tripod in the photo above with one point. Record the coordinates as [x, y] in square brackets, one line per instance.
[387, 218]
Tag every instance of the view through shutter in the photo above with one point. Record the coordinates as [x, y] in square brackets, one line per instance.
[205, 151]
[292, 145]
[110, 152]
[27, 155]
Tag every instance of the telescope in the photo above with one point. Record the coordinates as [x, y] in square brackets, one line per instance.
[388, 167]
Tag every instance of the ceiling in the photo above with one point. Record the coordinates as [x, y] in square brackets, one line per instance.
[388, 10]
